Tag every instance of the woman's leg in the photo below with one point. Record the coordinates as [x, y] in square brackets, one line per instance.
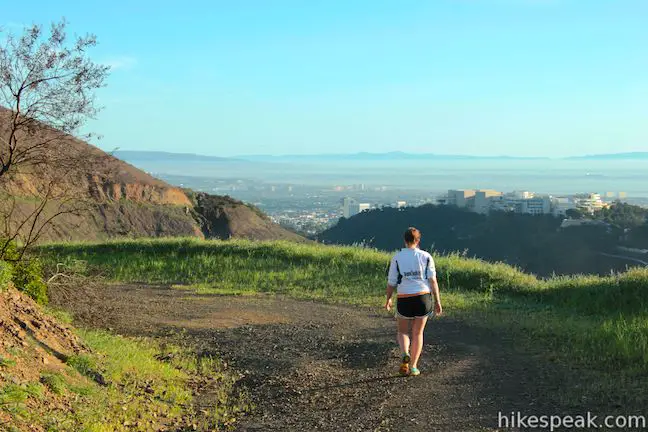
[417, 339]
[403, 335]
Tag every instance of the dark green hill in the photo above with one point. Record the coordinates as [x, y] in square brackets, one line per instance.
[533, 243]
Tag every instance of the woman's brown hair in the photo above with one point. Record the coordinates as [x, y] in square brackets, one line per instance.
[412, 235]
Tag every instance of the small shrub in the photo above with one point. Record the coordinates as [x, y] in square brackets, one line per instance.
[34, 389]
[83, 364]
[27, 277]
[55, 382]
[5, 362]
[12, 395]
[5, 274]
[26, 274]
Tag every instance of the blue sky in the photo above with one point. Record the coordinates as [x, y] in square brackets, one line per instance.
[514, 77]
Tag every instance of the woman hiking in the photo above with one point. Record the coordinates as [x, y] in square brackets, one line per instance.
[412, 274]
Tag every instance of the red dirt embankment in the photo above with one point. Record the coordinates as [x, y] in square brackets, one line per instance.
[26, 329]
[32, 345]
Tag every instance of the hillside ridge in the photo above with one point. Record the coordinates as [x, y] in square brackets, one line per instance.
[120, 200]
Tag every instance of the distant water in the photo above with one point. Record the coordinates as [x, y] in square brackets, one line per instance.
[542, 176]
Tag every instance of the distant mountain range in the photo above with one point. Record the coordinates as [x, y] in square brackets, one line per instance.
[157, 156]
[117, 199]
[613, 156]
[366, 156]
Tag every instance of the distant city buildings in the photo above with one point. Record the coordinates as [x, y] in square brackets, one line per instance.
[486, 200]
[589, 202]
[351, 207]
[459, 197]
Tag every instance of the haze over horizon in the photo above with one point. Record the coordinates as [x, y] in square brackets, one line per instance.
[149, 153]
[495, 77]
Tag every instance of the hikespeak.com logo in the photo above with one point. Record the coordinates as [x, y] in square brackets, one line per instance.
[587, 421]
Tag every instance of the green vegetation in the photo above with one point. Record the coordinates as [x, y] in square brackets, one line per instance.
[14, 396]
[155, 389]
[6, 362]
[144, 386]
[27, 278]
[629, 220]
[55, 382]
[25, 274]
[534, 243]
[598, 321]
[622, 215]
[345, 274]
[5, 274]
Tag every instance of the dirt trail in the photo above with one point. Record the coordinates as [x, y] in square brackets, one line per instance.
[310, 366]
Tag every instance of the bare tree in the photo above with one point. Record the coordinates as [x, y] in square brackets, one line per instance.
[47, 90]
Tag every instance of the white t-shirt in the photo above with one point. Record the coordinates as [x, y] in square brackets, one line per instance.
[416, 267]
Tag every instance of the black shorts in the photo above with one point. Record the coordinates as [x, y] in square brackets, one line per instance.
[414, 307]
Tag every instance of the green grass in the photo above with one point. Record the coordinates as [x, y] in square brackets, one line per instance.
[145, 389]
[55, 382]
[283, 268]
[5, 274]
[6, 362]
[601, 322]
[13, 397]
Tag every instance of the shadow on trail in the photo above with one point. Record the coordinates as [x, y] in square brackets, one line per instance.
[376, 380]
[311, 366]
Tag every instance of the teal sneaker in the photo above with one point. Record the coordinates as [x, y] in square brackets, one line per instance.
[414, 372]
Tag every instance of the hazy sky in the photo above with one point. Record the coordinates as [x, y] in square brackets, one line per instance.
[515, 77]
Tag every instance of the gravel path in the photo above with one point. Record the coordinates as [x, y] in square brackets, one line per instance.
[311, 366]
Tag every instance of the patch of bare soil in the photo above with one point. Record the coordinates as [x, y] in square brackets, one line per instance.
[24, 325]
[311, 366]
[31, 344]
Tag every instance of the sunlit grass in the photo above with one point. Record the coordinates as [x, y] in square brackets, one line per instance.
[144, 386]
[602, 321]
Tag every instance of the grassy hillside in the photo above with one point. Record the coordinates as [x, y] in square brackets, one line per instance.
[601, 322]
[56, 378]
[116, 199]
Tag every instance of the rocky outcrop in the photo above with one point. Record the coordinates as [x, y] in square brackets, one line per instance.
[224, 217]
[103, 189]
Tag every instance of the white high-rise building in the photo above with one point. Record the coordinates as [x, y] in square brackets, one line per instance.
[351, 207]
[363, 206]
[348, 205]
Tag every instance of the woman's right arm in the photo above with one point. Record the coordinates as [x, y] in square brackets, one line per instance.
[438, 309]
[390, 292]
